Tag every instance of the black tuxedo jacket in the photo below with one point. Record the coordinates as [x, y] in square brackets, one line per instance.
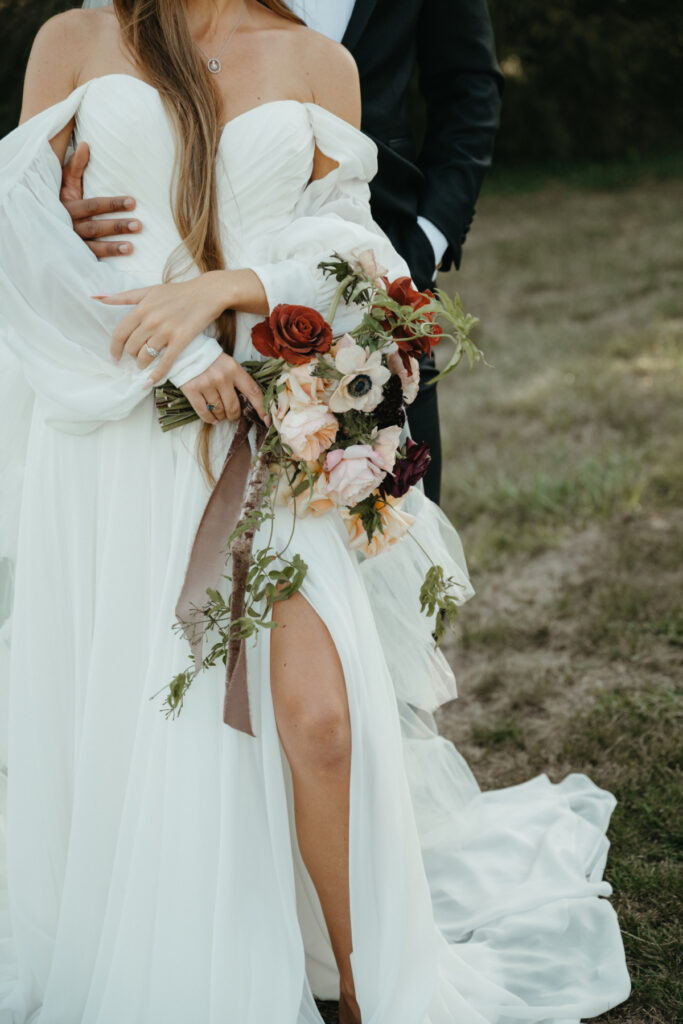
[451, 44]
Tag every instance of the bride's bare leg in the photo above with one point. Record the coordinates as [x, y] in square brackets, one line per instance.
[312, 713]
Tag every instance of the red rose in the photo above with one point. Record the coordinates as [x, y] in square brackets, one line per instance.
[293, 333]
[401, 290]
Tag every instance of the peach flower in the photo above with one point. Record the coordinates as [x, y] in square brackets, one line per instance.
[395, 524]
[310, 499]
[297, 388]
[409, 380]
[309, 431]
[365, 263]
[343, 341]
[386, 445]
[353, 473]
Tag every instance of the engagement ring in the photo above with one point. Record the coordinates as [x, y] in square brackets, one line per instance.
[152, 351]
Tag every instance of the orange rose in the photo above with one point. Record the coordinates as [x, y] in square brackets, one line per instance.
[409, 344]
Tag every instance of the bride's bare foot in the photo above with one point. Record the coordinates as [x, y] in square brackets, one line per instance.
[349, 1010]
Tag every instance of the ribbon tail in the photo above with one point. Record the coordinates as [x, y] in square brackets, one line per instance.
[208, 555]
[236, 710]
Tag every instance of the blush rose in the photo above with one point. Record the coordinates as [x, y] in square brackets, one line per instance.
[353, 473]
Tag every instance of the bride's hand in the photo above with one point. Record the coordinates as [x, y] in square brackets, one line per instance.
[165, 319]
[217, 387]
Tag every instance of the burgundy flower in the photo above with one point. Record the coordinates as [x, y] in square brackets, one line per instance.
[391, 409]
[410, 467]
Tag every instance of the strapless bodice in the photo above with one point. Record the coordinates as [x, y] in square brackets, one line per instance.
[264, 164]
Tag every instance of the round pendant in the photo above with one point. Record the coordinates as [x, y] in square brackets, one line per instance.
[214, 65]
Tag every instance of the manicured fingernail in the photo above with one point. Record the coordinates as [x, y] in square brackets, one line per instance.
[148, 383]
[268, 421]
[134, 225]
[99, 296]
[128, 204]
[116, 359]
[124, 247]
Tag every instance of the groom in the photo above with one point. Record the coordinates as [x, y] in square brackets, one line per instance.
[423, 197]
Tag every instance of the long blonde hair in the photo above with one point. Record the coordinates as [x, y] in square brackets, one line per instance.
[157, 35]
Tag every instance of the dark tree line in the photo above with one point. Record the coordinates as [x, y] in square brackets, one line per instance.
[585, 78]
[590, 78]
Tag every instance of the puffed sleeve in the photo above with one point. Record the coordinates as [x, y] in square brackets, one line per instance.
[49, 321]
[332, 215]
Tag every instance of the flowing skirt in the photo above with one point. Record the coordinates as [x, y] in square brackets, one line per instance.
[153, 874]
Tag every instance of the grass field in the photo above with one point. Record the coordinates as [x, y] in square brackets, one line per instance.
[565, 478]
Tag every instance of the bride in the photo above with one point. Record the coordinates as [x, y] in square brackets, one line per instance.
[162, 871]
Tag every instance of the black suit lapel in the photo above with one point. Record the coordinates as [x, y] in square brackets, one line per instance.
[361, 15]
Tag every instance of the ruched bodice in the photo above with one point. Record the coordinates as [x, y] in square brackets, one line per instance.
[273, 218]
[121, 115]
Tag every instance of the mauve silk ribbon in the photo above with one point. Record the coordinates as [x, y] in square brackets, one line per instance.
[207, 564]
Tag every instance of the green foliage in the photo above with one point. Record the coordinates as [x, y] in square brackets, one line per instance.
[438, 597]
[368, 511]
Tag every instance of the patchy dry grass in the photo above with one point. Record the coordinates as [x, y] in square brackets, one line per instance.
[565, 477]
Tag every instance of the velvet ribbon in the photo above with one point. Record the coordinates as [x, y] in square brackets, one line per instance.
[206, 565]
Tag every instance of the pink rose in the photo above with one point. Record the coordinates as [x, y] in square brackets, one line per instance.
[353, 473]
[309, 431]
[410, 381]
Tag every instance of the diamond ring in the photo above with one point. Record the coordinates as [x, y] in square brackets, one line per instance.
[210, 406]
[152, 351]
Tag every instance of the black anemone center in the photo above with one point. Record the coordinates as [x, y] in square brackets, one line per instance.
[360, 385]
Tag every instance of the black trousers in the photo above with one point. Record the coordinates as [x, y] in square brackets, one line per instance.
[410, 241]
[423, 419]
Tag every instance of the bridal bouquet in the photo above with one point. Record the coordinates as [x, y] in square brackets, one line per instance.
[338, 407]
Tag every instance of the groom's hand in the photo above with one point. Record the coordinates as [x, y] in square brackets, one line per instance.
[82, 211]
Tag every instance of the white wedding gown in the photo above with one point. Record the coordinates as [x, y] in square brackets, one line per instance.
[153, 876]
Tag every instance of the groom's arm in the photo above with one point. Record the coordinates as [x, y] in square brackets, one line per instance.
[94, 218]
[462, 87]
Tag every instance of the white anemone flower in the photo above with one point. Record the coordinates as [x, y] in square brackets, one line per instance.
[364, 377]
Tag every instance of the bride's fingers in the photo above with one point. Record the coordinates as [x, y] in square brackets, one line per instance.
[214, 403]
[123, 331]
[143, 347]
[197, 400]
[161, 366]
[201, 407]
[250, 389]
[130, 298]
[231, 403]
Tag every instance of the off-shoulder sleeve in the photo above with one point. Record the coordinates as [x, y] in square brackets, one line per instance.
[58, 333]
[333, 215]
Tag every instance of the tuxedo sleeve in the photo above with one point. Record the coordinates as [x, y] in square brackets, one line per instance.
[462, 86]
